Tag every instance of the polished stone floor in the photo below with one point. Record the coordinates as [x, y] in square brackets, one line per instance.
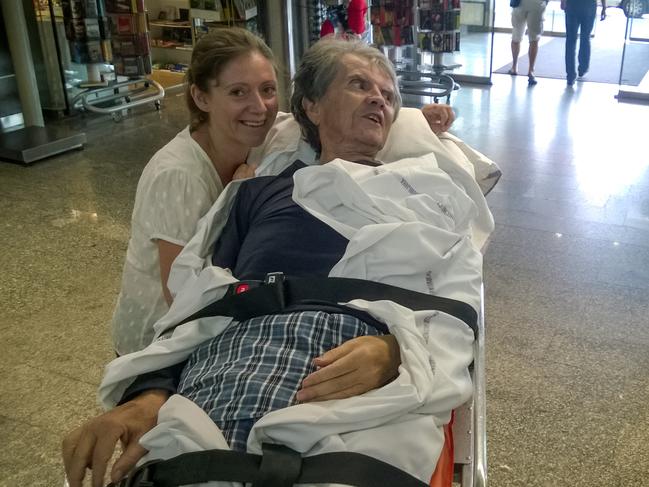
[567, 282]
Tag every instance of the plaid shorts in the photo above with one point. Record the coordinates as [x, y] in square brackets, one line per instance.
[257, 366]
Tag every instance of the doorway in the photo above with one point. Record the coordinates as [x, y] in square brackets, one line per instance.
[607, 44]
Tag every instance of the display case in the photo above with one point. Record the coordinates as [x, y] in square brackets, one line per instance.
[415, 34]
[171, 40]
[207, 15]
[176, 25]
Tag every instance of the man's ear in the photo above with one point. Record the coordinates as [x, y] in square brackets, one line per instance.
[199, 97]
[312, 110]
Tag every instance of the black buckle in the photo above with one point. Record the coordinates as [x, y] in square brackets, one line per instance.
[276, 280]
[142, 476]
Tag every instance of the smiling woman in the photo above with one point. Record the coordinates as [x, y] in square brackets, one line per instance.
[231, 96]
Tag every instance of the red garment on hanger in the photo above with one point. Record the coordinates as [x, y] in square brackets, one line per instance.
[356, 13]
[327, 28]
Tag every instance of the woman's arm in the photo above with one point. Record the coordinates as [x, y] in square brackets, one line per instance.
[440, 117]
[167, 252]
[92, 444]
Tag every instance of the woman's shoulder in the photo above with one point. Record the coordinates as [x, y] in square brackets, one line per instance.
[181, 155]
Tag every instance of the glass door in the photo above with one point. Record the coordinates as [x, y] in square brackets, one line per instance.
[476, 45]
[634, 73]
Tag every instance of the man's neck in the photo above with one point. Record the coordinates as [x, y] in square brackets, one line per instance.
[360, 157]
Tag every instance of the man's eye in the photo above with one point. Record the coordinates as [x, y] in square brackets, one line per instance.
[357, 83]
[237, 92]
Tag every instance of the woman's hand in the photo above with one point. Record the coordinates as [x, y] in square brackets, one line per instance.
[244, 171]
[92, 444]
[355, 367]
[439, 117]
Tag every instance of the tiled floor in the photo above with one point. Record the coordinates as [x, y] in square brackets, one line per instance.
[567, 280]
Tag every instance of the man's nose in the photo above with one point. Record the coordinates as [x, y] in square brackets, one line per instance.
[376, 98]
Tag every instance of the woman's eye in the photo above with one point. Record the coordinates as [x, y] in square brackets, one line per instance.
[270, 91]
[237, 92]
[357, 83]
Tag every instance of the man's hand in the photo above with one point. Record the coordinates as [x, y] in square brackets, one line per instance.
[92, 445]
[244, 171]
[439, 117]
[356, 367]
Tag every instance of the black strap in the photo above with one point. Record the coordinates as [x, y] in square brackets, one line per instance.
[275, 297]
[280, 466]
[347, 468]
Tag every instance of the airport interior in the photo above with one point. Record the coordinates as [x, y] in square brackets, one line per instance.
[565, 270]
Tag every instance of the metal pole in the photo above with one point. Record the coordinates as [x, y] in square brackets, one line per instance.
[21, 55]
[287, 25]
[277, 36]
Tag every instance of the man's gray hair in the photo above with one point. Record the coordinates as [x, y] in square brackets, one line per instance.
[317, 70]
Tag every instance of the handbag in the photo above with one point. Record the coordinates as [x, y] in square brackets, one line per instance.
[514, 3]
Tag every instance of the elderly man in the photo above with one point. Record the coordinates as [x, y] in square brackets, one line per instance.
[342, 366]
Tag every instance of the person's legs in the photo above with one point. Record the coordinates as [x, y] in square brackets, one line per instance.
[518, 28]
[516, 49]
[587, 22]
[534, 30]
[532, 52]
[572, 26]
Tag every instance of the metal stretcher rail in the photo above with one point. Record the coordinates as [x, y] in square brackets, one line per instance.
[470, 426]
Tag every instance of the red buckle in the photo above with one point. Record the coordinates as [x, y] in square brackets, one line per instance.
[242, 288]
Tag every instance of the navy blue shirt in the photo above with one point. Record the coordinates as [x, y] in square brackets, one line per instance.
[268, 232]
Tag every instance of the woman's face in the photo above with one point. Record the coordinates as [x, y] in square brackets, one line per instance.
[242, 101]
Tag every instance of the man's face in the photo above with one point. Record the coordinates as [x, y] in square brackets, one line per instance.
[355, 114]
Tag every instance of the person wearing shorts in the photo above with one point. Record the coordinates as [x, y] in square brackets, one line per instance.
[528, 13]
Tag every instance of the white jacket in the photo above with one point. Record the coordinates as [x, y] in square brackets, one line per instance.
[408, 225]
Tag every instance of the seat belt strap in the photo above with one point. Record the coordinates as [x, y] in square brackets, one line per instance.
[347, 468]
[277, 293]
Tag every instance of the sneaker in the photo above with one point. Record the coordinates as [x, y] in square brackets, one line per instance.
[582, 73]
[570, 81]
[531, 80]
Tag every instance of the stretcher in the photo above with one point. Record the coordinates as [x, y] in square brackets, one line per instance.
[464, 454]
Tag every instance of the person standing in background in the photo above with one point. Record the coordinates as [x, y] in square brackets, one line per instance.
[530, 13]
[580, 17]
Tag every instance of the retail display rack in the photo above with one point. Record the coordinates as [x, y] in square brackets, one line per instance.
[409, 31]
[176, 26]
[114, 32]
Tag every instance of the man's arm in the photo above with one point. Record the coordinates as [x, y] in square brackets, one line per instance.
[92, 444]
[355, 367]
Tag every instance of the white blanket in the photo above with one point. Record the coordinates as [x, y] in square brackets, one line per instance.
[410, 136]
[409, 224]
